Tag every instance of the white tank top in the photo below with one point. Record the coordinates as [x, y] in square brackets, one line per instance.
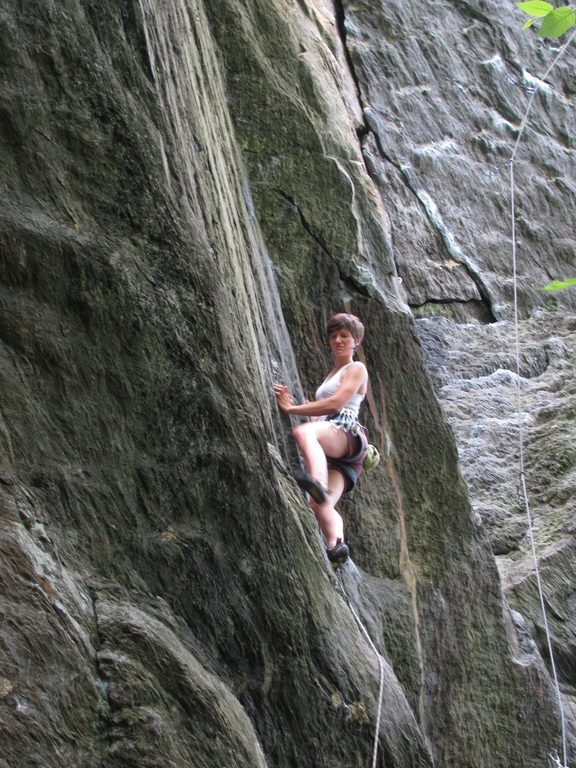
[329, 387]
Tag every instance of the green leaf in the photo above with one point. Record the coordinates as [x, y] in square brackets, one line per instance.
[557, 22]
[560, 285]
[537, 8]
[528, 23]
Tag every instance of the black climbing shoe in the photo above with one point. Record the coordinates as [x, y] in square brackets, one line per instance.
[338, 554]
[308, 484]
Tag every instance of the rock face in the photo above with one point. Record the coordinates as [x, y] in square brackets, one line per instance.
[492, 408]
[190, 189]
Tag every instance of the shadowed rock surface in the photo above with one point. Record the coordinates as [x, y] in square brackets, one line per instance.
[190, 189]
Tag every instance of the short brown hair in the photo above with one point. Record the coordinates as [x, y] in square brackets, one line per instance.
[350, 322]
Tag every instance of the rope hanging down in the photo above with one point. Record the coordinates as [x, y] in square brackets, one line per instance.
[522, 473]
[380, 662]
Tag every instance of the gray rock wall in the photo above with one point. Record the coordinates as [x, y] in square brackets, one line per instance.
[189, 191]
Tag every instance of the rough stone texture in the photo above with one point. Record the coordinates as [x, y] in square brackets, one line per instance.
[444, 88]
[492, 408]
[189, 190]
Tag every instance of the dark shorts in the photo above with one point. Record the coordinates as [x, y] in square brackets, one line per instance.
[350, 466]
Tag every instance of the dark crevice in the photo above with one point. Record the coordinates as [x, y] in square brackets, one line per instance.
[305, 225]
[485, 298]
[363, 128]
[345, 278]
[340, 16]
[446, 301]
[472, 11]
[102, 724]
[472, 309]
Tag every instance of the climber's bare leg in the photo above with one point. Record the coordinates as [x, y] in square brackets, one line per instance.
[329, 520]
[317, 440]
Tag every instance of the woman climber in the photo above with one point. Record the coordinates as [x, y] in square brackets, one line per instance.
[333, 443]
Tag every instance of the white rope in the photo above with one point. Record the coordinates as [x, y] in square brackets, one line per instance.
[556, 760]
[555, 61]
[380, 662]
[523, 487]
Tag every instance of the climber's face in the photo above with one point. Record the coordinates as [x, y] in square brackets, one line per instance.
[342, 343]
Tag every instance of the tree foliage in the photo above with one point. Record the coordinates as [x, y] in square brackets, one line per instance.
[559, 285]
[555, 21]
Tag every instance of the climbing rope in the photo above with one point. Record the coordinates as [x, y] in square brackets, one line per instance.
[522, 472]
[364, 631]
[555, 760]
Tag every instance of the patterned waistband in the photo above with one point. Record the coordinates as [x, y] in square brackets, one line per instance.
[346, 420]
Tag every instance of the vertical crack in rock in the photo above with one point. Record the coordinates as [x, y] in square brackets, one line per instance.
[340, 16]
[408, 572]
[105, 708]
[409, 576]
[364, 128]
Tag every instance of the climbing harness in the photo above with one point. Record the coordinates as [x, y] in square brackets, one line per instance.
[522, 474]
[346, 420]
[372, 458]
[364, 631]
